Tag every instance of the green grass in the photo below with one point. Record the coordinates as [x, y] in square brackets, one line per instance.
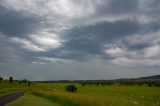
[95, 95]
[31, 100]
[99, 96]
[6, 87]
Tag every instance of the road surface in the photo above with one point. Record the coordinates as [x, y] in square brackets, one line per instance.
[10, 97]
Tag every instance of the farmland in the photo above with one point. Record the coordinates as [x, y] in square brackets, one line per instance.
[92, 95]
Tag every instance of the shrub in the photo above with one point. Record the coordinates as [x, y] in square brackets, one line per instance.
[10, 79]
[24, 80]
[29, 83]
[19, 82]
[1, 78]
[71, 88]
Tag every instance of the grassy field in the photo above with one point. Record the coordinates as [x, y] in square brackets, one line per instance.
[94, 95]
[6, 87]
[99, 96]
[31, 100]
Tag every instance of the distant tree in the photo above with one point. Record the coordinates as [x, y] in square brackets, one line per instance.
[19, 82]
[24, 80]
[1, 78]
[10, 79]
[83, 84]
[71, 88]
[157, 84]
[150, 84]
[29, 83]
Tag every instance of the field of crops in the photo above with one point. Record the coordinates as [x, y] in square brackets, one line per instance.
[99, 95]
[91, 95]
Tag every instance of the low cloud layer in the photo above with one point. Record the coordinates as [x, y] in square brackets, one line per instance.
[79, 39]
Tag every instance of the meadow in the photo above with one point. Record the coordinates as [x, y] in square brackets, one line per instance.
[90, 95]
[99, 95]
[6, 87]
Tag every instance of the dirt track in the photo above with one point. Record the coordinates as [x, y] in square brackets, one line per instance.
[10, 97]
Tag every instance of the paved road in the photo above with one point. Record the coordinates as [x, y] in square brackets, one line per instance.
[10, 97]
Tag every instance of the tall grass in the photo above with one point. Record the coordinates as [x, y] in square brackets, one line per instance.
[100, 96]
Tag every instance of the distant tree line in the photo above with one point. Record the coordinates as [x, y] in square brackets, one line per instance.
[150, 83]
[11, 80]
[126, 82]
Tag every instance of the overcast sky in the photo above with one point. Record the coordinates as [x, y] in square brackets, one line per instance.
[79, 39]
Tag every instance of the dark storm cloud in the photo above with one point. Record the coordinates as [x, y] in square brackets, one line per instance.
[91, 39]
[84, 40]
[147, 28]
[136, 46]
[153, 26]
[14, 23]
[152, 8]
[88, 41]
[117, 7]
[122, 6]
[7, 52]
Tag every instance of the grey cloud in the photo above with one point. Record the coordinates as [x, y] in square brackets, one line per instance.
[141, 50]
[94, 69]
[85, 41]
[153, 26]
[13, 53]
[117, 7]
[122, 6]
[91, 42]
[153, 8]
[7, 52]
[92, 38]
[14, 23]
[105, 31]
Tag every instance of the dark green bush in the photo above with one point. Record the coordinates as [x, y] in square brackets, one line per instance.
[10, 79]
[24, 81]
[71, 88]
[1, 78]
